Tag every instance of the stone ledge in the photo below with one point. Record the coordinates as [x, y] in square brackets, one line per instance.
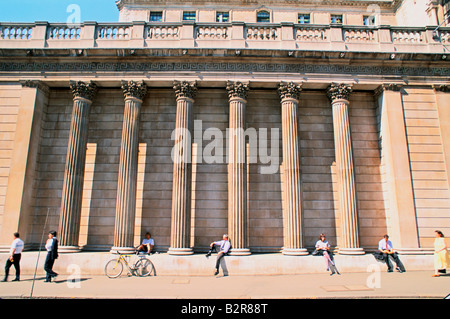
[92, 263]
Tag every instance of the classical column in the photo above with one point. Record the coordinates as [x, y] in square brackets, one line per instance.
[134, 93]
[292, 215]
[237, 169]
[69, 222]
[349, 239]
[182, 170]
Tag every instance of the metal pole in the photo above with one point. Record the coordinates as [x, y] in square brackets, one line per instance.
[40, 246]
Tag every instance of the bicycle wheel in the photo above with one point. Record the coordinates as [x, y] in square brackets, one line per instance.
[114, 268]
[144, 267]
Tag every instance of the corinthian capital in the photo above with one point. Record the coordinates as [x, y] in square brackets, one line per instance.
[237, 89]
[134, 89]
[441, 88]
[338, 91]
[185, 89]
[289, 90]
[83, 90]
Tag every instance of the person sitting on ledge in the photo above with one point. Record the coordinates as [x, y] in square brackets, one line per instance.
[386, 249]
[224, 245]
[147, 244]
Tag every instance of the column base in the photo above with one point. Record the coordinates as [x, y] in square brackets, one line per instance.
[351, 251]
[180, 251]
[69, 249]
[123, 250]
[239, 252]
[295, 251]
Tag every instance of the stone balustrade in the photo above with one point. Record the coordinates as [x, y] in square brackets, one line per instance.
[236, 35]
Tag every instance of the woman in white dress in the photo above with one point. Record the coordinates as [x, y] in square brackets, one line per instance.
[440, 253]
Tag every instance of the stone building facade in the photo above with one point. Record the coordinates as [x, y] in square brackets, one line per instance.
[339, 112]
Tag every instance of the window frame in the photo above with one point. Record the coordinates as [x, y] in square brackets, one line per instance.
[150, 16]
[303, 15]
[336, 15]
[263, 11]
[223, 12]
[189, 12]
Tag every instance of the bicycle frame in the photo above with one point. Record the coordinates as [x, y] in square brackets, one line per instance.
[138, 267]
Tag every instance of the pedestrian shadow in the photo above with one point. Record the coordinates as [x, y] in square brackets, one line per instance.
[59, 281]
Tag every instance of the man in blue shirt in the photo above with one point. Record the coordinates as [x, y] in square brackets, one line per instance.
[224, 245]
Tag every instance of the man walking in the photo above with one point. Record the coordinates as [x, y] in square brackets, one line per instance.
[386, 249]
[14, 258]
[52, 254]
[224, 245]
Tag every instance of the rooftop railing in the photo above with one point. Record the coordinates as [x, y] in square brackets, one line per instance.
[236, 35]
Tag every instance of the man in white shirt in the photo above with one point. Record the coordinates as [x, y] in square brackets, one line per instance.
[15, 254]
[224, 245]
[386, 248]
[52, 254]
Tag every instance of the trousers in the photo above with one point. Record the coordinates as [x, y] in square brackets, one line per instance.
[396, 260]
[16, 263]
[219, 256]
[48, 267]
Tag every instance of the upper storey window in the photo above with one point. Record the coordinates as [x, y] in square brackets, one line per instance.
[156, 16]
[336, 18]
[369, 20]
[304, 18]
[189, 15]
[263, 16]
[222, 16]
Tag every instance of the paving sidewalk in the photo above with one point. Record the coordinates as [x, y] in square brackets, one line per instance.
[412, 284]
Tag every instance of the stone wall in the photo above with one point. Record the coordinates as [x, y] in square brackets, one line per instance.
[209, 209]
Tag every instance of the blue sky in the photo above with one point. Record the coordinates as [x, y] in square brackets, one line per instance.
[58, 10]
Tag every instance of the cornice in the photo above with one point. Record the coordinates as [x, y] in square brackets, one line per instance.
[354, 3]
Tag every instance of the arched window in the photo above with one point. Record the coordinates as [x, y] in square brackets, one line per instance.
[263, 16]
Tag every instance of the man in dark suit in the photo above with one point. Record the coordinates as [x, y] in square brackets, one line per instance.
[52, 254]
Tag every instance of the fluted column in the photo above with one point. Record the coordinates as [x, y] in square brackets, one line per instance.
[69, 223]
[237, 169]
[292, 216]
[134, 93]
[182, 170]
[349, 238]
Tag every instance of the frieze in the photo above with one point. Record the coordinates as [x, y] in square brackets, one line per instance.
[300, 68]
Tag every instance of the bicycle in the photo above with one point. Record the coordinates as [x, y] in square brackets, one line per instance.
[143, 267]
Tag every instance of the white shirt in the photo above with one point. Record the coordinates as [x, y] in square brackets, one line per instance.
[48, 244]
[322, 244]
[383, 245]
[17, 244]
[224, 245]
[149, 241]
